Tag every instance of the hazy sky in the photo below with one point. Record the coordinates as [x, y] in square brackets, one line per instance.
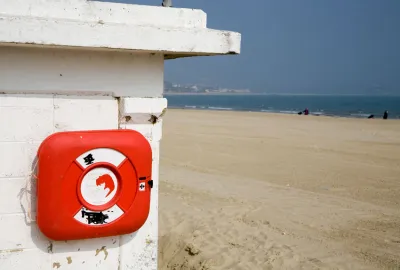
[299, 46]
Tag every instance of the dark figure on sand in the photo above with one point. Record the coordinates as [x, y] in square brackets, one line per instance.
[305, 112]
[371, 116]
[385, 115]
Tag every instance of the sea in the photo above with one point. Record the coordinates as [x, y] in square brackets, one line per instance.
[328, 105]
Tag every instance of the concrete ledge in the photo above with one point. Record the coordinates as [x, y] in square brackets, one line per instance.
[92, 11]
[100, 35]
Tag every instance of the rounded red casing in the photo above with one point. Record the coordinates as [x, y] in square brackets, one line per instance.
[93, 184]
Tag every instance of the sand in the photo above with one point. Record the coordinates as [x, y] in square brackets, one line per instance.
[242, 190]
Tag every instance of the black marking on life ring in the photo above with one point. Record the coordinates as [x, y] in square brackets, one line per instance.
[142, 178]
[95, 218]
[88, 159]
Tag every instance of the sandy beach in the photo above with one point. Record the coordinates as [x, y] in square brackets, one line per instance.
[242, 190]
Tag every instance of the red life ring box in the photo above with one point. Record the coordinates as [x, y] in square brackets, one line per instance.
[93, 184]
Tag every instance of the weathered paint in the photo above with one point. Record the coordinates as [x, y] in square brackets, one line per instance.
[18, 149]
[143, 254]
[134, 251]
[84, 11]
[81, 23]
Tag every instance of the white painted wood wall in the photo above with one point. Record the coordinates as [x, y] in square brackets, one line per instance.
[27, 119]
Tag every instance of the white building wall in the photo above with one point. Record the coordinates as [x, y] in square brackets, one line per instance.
[27, 119]
[135, 113]
[65, 71]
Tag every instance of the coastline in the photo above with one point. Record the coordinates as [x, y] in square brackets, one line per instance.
[347, 106]
[214, 94]
[277, 94]
[318, 114]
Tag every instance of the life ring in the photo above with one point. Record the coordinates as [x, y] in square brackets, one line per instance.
[93, 183]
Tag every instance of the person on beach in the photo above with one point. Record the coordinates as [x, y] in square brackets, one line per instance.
[305, 112]
[385, 115]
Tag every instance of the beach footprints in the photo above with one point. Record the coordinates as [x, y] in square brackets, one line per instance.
[228, 237]
[237, 234]
[176, 252]
[255, 217]
[253, 222]
[192, 250]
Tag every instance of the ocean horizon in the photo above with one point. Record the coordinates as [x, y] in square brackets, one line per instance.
[343, 105]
